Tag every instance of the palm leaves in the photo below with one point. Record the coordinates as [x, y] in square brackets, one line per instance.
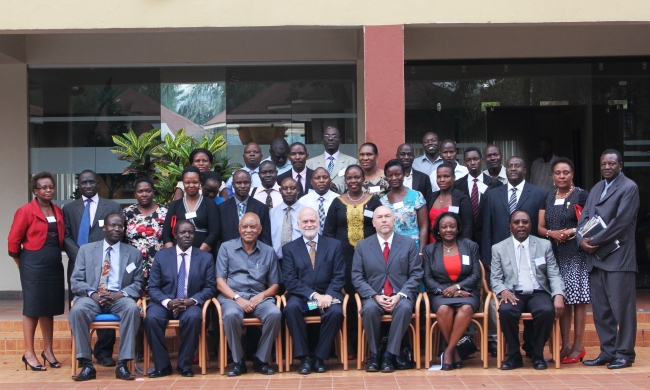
[140, 151]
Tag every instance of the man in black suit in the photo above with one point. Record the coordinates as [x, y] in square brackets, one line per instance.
[91, 210]
[413, 178]
[181, 279]
[234, 208]
[612, 276]
[313, 271]
[299, 172]
[475, 184]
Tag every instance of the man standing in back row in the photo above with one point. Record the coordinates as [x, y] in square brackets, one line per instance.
[332, 159]
[612, 275]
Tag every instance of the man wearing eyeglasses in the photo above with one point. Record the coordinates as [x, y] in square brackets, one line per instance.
[332, 159]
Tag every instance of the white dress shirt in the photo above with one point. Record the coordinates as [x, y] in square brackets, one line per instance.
[311, 200]
[276, 215]
[519, 187]
[501, 176]
[408, 180]
[93, 207]
[531, 268]
[261, 194]
[390, 245]
[179, 259]
[481, 185]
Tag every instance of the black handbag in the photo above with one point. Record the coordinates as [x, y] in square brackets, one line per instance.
[466, 347]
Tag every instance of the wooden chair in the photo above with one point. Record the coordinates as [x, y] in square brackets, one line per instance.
[480, 319]
[554, 340]
[223, 344]
[102, 321]
[341, 341]
[176, 324]
[414, 328]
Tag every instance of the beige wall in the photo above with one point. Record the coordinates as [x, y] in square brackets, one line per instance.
[129, 14]
[13, 155]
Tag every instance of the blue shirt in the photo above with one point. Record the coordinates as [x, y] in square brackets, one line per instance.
[255, 180]
[281, 169]
[219, 200]
[424, 165]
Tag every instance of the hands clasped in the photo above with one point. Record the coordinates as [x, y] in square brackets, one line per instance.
[387, 303]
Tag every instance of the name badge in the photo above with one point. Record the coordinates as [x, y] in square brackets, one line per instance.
[453, 209]
[367, 213]
[130, 268]
[559, 202]
[374, 189]
[312, 304]
[398, 205]
[190, 215]
[51, 219]
[540, 261]
[342, 172]
[481, 187]
[101, 223]
[465, 260]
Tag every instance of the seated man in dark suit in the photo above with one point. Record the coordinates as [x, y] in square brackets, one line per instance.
[313, 269]
[181, 279]
[107, 279]
[526, 278]
[386, 272]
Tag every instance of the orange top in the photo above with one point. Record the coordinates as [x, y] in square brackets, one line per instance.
[433, 214]
[452, 266]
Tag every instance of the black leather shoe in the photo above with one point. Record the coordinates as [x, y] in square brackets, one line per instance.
[262, 367]
[160, 373]
[619, 363]
[305, 366]
[373, 363]
[87, 373]
[106, 361]
[492, 348]
[401, 364]
[238, 368]
[122, 371]
[387, 364]
[596, 362]
[514, 361]
[186, 372]
[539, 363]
[319, 365]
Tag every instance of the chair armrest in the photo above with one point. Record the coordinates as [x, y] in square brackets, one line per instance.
[358, 299]
[278, 301]
[284, 299]
[216, 304]
[418, 299]
[346, 297]
[206, 304]
[427, 304]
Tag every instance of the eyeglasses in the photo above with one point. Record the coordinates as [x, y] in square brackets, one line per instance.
[331, 136]
[45, 188]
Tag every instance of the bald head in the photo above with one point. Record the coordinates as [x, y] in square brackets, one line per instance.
[383, 220]
[249, 228]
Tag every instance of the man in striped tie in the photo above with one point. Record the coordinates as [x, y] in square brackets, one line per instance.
[181, 279]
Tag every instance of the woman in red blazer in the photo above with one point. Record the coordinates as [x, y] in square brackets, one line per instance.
[35, 242]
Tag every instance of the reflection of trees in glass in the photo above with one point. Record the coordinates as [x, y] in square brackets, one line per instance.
[196, 102]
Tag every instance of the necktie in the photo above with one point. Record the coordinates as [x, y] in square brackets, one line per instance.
[321, 214]
[388, 288]
[524, 271]
[241, 210]
[602, 194]
[286, 227]
[106, 269]
[312, 253]
[269, 200]
[299, 182]
[474, 199]
[512, 204]
[180, 284]
[84, 226]
[330, 166]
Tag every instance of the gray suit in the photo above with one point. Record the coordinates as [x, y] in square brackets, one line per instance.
[369, 273]
[342, 162]
[505, 275]
[612, 278]
[85, 278]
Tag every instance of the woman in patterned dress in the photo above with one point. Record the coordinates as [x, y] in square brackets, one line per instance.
[558, 222]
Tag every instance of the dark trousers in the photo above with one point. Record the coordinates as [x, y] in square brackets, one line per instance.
[613, 301]
[154, 327]
[540, 305]
[331, 322]
[105, 337]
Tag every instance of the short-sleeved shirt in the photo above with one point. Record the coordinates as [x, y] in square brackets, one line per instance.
[406, 216]
[248, 274]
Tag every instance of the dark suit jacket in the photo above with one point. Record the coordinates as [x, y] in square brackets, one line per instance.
[72, 214]
[421, 182]
[618, 209]
[496, 215]
[163, 279]
[230, 219]
[306, 181]
[435, 273]
[461, 185]
[404, 268]
[461, 201]
[328, 275]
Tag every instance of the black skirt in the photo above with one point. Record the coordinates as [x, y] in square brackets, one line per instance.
[439, 300]
[42, 280]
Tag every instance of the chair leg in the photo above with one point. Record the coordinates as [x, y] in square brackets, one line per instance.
[222, 349]
[288, 349]
[203, 350]
[73, 356]
[556, 343]
[359, 345]
[344, 343]
[278, 351]
[147, 356]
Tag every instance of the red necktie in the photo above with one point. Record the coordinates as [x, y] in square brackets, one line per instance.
[388, 288]
[473, 198]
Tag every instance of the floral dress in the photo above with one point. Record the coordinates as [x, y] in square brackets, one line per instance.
[145, 233]
[406, 217]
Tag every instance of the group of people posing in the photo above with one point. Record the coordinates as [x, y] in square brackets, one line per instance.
[317, 229]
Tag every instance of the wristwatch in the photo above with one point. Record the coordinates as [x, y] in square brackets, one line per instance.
[458, 287]
[236, 297]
